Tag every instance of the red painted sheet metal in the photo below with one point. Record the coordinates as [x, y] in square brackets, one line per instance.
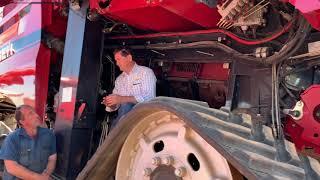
[15, 76]
[209, 31]
[210, 71]
[18, 75]
[305, 133]
[24, 77]
[306, 6]
[5, 2]
[161, 15]
[310, 10]
[172, 15]
[313, 18]
[10, 33]
[24, 66]
[42, 79]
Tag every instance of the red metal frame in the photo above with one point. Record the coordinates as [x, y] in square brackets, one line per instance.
[171, 15]
[24, 75]
[200, 32]
[310, 10]
[305, 133]
[161, 15]
[205, 71]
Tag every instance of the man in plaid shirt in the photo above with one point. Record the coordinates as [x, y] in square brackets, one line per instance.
[134, 85]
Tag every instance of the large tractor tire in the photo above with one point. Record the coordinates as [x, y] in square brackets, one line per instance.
[10, 121]
[7, 109]
[171, 138]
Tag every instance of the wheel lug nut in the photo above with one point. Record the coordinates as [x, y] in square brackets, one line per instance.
[180, 172]
[147, 171]
[156, 161]
[168, 160]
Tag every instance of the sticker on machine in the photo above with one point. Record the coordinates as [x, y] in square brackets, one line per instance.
[66, 94]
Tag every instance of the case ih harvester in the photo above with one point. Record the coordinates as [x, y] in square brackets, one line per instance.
[237, 85]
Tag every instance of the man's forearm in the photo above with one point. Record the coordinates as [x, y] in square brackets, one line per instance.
[51, 164]
[128, 99]
[19, 171]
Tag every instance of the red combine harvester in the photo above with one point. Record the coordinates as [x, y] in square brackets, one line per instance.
[237, 80]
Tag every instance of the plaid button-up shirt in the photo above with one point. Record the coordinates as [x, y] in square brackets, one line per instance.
[140, 83]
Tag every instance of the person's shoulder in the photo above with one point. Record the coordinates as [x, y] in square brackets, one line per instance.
[14, 135]
[142, 67]
[145, 69]
[120, 76]
[46, 131]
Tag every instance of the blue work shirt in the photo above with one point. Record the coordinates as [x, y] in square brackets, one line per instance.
[31, 153]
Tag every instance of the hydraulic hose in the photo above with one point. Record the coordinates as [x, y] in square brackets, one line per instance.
[228, 33]
[286, 51]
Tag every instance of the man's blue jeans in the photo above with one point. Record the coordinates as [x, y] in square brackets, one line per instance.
[123, 109]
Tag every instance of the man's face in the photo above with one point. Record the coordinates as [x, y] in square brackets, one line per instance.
[30, 118]
[122, 62]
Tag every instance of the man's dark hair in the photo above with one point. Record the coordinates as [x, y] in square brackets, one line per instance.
[124, 51]
[18, 113]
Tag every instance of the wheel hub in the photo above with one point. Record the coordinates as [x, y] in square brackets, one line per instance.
[164, 173]
[162, 147]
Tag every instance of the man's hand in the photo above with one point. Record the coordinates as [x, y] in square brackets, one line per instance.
[43, 176]
[21, 172]
[112, 100]
[45, 173]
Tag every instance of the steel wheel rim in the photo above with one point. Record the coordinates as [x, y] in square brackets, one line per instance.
[142, 155]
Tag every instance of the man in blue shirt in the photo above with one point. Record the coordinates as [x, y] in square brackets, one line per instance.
[30, 151]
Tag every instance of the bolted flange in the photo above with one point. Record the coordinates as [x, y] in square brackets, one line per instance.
[180, 172]
[156, 161]
[168, 160]
[147, 172]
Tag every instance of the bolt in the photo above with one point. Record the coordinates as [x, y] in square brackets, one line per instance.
[287, 78]
[233, 11]
[238, 8]
[317, 113]
[156, 161]
[241, 3]
[230, 16]
[264, 21]
[147, 172]
[296, 113]
[265, 10]
[168, 160]
[180, 172]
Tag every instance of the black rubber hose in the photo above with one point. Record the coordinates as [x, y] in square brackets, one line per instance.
[287, 50]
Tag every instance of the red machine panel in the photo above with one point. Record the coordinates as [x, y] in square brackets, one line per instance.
[24, 60]
[305, 132]
[310, 10]
[161, 15]
[212, 71]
